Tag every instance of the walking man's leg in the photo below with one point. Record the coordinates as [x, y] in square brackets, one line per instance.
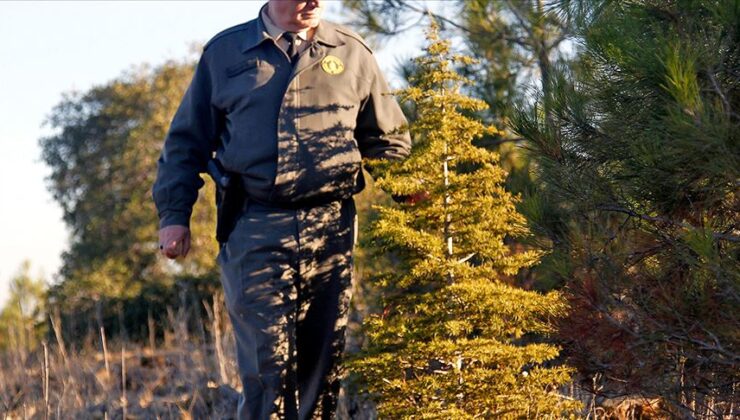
[287, 277]
[258, 274]
[326, 240]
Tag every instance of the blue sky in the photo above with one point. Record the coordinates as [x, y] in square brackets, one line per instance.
[48, 48]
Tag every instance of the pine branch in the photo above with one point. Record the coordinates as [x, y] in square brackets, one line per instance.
[668, 222]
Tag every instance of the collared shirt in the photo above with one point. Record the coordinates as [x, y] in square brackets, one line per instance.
[277, 33]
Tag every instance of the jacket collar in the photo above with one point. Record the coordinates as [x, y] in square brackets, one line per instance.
[257, 33]
[326, 34]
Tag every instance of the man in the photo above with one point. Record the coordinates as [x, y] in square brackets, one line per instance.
[289, 105]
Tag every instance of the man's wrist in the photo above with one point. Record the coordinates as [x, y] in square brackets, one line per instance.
[174, 217]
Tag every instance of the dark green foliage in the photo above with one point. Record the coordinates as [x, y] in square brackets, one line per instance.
[638, 165]
[129, 317]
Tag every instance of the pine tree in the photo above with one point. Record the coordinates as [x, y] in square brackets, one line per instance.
[638, 170]
[455, 340]
[516, 46]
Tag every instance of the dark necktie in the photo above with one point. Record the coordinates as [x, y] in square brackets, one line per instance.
[291, 37]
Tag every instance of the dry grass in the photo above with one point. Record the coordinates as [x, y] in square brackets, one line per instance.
[193, 376]
[183, 377]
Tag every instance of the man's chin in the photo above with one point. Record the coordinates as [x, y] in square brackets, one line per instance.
[310, 22]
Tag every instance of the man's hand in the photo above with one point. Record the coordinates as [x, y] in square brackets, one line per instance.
[417, 198]
[174, 241]
[411, 199]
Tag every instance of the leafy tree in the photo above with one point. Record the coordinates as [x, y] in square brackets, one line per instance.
[638, 175]
[103, 162]
[22, 319]
[455, 339]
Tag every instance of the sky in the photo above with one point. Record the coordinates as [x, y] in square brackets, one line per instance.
[49, 48]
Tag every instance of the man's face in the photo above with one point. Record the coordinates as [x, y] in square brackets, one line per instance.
[295, 15]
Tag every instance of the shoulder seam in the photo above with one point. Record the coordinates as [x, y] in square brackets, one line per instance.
[351, 34]
[227, 31]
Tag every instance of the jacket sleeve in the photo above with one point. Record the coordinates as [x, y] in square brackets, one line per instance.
[190, 140]
[381, 129]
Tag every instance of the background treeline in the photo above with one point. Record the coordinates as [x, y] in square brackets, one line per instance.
[618, 126]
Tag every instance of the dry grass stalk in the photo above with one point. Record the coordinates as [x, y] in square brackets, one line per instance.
[152, 331]
[56, 325]
[46, 380]
[217, 334]
[105, 353]
[61, 398]
[124, 402]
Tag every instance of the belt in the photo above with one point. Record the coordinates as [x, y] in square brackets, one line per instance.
[302, 204]
[284, 205]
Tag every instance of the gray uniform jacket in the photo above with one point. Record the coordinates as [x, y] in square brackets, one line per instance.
[294, 133]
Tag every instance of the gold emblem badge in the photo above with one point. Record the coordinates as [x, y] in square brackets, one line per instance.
[332, 65]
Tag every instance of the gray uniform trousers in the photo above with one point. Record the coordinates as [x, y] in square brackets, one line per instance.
[287, 275]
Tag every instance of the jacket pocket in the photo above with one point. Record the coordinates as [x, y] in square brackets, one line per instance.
[239, 68]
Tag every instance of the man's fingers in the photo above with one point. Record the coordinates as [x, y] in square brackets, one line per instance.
[172, 249]
[186, 245]
[171, 252]
[170, 246]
